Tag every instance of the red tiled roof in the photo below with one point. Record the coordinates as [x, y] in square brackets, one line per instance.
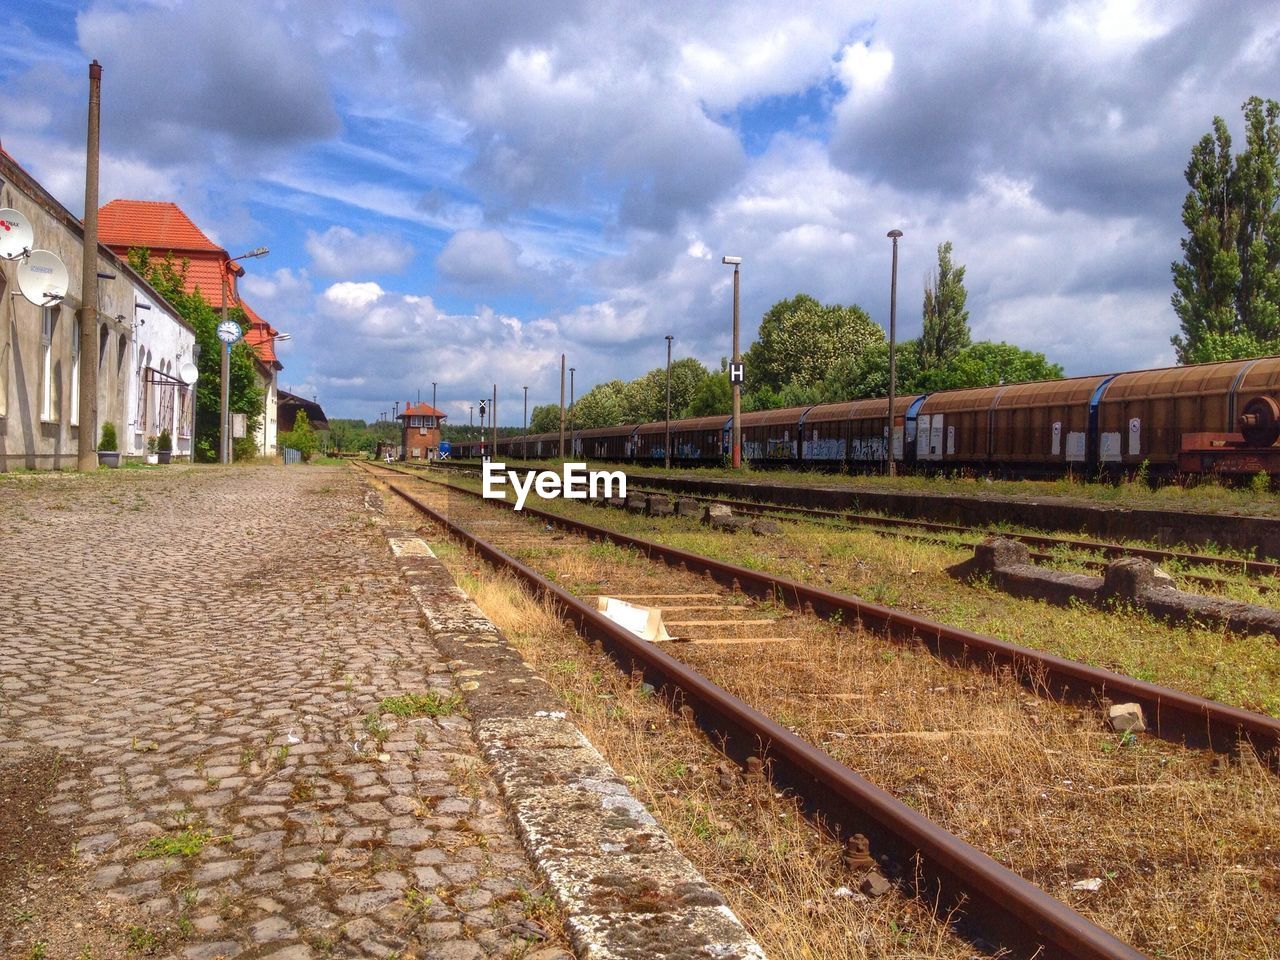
[419, 410]
[157, 225]
[206, 272]
[260, 337]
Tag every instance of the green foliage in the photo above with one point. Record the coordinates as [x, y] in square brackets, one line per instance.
[985, 364]
[714, 395]
[302, 437]
[1227, 286]
[946, 321]
[246, 395]
[430, 704]
[601, 406]
[545, 418]
[108, 442]
[800, 340]
[165, 442]
[866, 374]
[645, 399]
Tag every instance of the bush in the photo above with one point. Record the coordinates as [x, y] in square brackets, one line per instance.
[302, 437]
[108, 443]
[165, 443]
[152, 444]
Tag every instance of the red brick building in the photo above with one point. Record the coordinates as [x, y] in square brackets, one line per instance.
[419, 431]
[163, 229]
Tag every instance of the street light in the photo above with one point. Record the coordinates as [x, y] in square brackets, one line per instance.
[225, 438]
[735, 368]
[666, 459]
[893, 329]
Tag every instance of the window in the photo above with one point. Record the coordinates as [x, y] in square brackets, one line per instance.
[49, 320]
[75, 373]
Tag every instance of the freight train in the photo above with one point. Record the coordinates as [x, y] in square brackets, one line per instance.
[1221, 418]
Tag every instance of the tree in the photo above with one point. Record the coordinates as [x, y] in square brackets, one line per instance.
[714, 395]
[800, 340]
[302, 437]
[545, 418]
[946, 321]
[985, 364]
[1227, 287]
[168, 277]
[865, 375]
[645, 398]
[601, 406]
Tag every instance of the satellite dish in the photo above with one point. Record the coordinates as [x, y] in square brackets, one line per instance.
[188, 373]
[42, 278]
[16, 235]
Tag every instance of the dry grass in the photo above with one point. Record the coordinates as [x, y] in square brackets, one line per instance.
[1188, 850]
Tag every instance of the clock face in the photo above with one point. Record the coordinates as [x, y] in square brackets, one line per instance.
[229, 331]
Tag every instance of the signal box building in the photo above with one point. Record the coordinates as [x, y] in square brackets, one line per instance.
[420, 431]
[142, 347]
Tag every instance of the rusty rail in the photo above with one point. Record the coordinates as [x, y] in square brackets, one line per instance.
[986, 902]
[1170, 714]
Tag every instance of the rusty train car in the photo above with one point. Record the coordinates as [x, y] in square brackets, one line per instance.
[1205, 418]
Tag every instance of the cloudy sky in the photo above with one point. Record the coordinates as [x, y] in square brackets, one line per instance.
[461, 190]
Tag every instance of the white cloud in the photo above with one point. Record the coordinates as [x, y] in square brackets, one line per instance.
[480, 258]
[340, 251]
[352, 295]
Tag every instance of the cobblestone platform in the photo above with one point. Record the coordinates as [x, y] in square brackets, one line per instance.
[204, 666]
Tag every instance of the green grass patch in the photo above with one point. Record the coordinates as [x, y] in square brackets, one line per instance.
[430, 704]
[188, 843]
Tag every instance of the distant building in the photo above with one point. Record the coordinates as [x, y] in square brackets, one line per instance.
[291, 403]
[142, 346]
[419, 431]
[162, 228]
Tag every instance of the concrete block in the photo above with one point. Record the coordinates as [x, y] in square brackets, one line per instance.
[1126, 718]
[658, 505]
[765, 527]
[688, 508]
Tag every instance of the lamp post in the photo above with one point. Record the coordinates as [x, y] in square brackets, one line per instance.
[735, 370]
[666, 458]
[524, 444]
[893, 329]
[225, 438]
[571, 369]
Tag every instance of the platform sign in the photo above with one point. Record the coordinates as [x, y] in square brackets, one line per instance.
[736, 373]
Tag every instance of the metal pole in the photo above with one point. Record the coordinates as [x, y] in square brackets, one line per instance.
[524, 444]
[435, 415]
[87, 408]
[224, 430]
[471, 415]
[737, 387]
[493, 419]
[561, 447]
[666, 458]
[893, 328]
[571, 420]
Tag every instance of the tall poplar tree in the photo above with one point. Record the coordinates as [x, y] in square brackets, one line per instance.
[1227, 286]
[946, 321]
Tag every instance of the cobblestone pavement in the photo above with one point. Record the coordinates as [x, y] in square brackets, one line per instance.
[208, 651]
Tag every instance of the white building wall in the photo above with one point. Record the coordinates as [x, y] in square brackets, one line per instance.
[267, 433]
[161, 342]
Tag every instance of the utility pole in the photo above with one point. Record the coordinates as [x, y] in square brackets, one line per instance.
[893, 324]
[571, 399]
[561, 447]
[493, 419]
[666, 457]
[524, 444]
[87, 409]
[735, 371]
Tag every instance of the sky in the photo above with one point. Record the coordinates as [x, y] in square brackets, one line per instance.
[460, 191]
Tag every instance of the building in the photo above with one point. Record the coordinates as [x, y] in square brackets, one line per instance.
[419, 431]
[164, 229]
[291, 404]
[142, 346]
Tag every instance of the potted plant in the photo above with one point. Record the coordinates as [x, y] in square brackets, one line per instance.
[164, 446]
[152, 444]
[108, 449]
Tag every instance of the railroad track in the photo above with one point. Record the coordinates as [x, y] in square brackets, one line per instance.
[1260, 570]
[1175, 716]
[1001, 910]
